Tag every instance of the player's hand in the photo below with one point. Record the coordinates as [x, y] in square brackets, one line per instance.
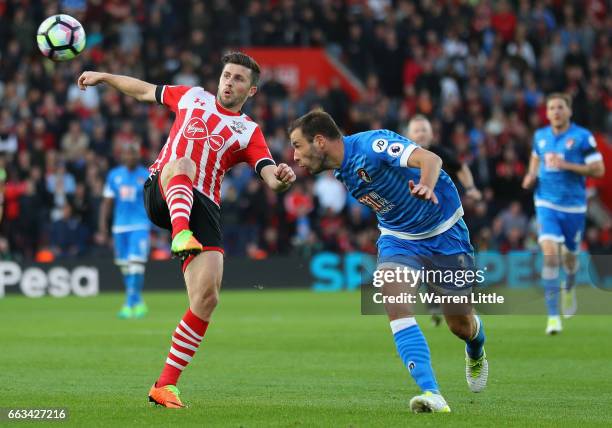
[559, 163]
[474, 194]
[529, 181]
[101, 238]
[284, 174]
[89, 78]
[421, 191]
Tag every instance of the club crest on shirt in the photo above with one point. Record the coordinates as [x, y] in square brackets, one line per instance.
[238, 127]
[569, 143]
[395, 149]
[363, 174]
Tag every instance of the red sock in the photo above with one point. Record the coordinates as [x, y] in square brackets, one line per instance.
[185, 342]
[179, 197]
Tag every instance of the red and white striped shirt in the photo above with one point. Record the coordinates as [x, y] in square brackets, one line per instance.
[213, 137]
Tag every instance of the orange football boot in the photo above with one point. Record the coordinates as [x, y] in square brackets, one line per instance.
[167, 396]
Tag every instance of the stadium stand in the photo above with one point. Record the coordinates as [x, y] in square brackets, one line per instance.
[478, 69]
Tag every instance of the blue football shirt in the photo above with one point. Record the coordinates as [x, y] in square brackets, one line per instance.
[126, 188]
[558, 189]
[375, 172]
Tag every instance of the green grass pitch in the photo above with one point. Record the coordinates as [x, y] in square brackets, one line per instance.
[292, 358]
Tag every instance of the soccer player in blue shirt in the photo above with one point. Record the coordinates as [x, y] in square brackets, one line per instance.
[563, 155]
[420, 219]
[131, 226]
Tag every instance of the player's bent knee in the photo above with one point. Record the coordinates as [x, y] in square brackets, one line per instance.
[551, 261]
[550, 249]
[570, 261]
[184, 166]
[180, 166]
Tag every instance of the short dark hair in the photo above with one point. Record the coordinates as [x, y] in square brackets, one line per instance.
[244, 60]
[560, 96]
[316, 122]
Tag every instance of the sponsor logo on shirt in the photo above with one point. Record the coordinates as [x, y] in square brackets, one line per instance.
[196, 129]
[380, 145]
[379, 204]
[395, 150]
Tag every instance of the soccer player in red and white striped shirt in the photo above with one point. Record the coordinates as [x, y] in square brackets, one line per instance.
[210, 134]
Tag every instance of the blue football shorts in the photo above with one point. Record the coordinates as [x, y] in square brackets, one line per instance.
[450, 251]
[131, 246]
[561, 227]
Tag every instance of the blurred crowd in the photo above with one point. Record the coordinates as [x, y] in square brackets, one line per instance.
[478, 69]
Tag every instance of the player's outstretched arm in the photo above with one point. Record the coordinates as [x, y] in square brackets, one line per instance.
[532, 172]
[105, 208]
[467, 181]
[430, 165]
[139, 89]
[278, 178]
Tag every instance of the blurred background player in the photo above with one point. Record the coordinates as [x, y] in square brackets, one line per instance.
[210, 135]
[563, 155]
[131, 226]
[379, 167]
[420, 131]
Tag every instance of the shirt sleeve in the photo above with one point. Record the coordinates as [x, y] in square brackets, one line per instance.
[589, 149]
[394, 151]
[257, 153]
[109, 191]
[170, 95]
[534, 146]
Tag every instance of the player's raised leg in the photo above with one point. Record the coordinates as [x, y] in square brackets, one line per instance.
[551, 283]
[412, 347]
[177, 183]
[470, 328]
[203, 278]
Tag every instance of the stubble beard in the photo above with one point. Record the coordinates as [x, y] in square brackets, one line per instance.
[232, 103]
[323, 164]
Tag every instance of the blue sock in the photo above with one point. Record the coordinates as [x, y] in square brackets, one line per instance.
[570, 280]
[474, 346]
[134, 283]
[131, 293]
[138, 284]
[414, 352]
[550, 281]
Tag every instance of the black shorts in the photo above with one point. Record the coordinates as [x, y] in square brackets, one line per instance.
[205, 217]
